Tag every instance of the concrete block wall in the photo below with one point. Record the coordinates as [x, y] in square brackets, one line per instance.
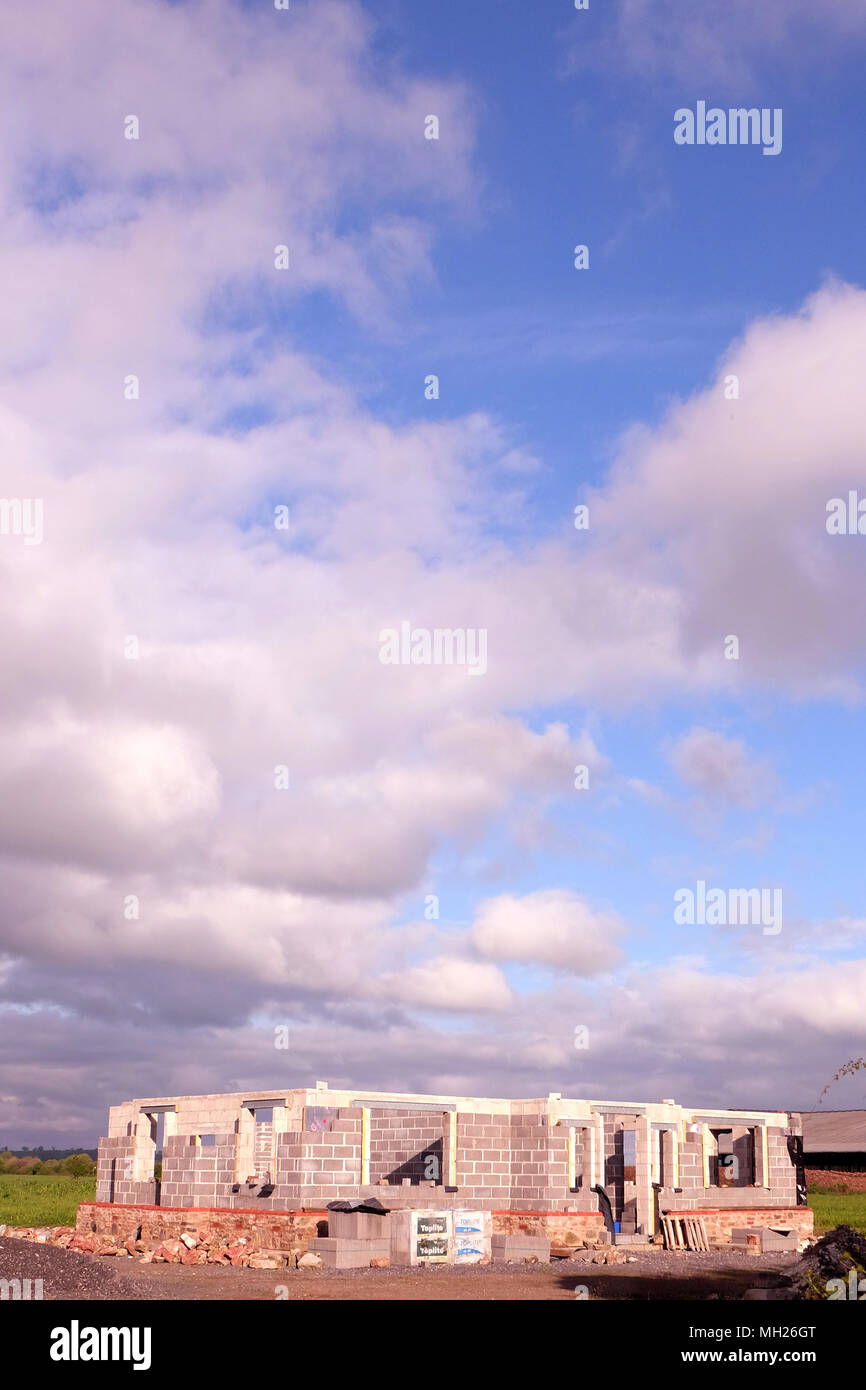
[744, 1151]
[539, 1167]
[114, 1166]
[310, 1169]
[581, 1159]
[779, 1183]
[613, 1164]
[317, 1167]
[402, 1141]
[627, 1182]
[197, 1175]
[743, 1145]
[426, 1194]
[723, 1198]
[782, 1175]
[668, 1150]
[530, 1151]
[510, 1155]
[264, 1151]
[640, 1197]
[692, 1160]
[483, 1159]
[585, 1140]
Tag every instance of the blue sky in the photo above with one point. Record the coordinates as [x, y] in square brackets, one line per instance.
[152, 779]
[687, 245]
[714, 240]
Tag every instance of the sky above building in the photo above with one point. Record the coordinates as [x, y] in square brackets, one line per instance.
[299, 349]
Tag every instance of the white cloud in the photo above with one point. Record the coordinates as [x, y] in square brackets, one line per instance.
[549, 927]
[725, 44]
[720, 768]
[94, 793]
[155, 777]
[450, 982]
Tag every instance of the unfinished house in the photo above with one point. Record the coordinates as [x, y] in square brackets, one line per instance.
[562, 1170]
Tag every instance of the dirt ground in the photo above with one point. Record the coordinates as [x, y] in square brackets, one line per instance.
[846, 1182]
[659, 1275]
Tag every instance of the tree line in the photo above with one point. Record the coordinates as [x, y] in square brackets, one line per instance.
[75, 1166]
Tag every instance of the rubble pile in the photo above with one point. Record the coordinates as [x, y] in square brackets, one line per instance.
[833, 1257]
[190, 1248]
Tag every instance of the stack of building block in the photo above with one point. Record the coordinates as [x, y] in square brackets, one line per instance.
[763, 1239]
[520, 1248]
[354, 1239]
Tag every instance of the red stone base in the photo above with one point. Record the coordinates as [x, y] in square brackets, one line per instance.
[719, 1222]
[266, 1230]
[286, 1230]
[559, 1227]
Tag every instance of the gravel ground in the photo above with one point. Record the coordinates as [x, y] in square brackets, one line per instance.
[65, 1274]
[657, 1275]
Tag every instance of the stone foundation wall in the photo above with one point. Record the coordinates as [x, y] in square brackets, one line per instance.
[267, 1230]
[270, 1230]
[559, 1227]
[720, 1222]
[286, 1230]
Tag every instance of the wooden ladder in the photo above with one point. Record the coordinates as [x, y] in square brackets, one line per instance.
[684, 1232]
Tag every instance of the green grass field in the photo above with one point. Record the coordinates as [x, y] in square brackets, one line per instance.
[837, 1209]
[37, 1201]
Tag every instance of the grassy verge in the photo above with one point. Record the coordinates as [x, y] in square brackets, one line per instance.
[837, 1209]
[37, 1201]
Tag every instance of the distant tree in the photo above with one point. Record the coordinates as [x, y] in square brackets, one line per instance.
[51, 1165]
[6, 1159]
[78, 1166]
[23, 1165]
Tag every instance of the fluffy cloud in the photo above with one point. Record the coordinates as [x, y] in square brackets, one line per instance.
[718, 43]
[60, 1070]
[258, 649]
[720, 768]
[724, 508]
[548, 927]
[449, 982]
